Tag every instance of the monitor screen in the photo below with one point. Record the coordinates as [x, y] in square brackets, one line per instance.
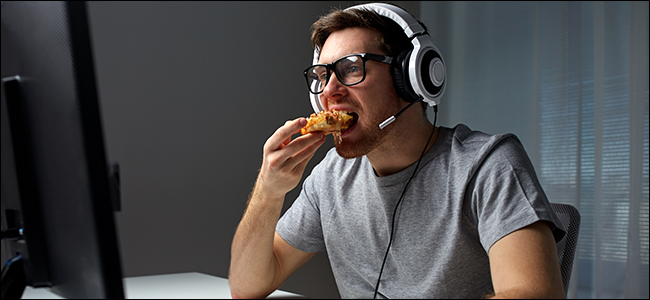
[58, 207]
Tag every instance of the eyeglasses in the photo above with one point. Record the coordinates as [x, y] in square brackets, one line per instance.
[349, 69]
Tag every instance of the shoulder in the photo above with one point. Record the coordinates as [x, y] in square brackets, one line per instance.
[480, 145]
[474, 152]
[465, 137]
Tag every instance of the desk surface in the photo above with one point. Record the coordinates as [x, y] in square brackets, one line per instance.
[169, 286]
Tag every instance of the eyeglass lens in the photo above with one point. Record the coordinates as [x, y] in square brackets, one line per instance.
[349, 70]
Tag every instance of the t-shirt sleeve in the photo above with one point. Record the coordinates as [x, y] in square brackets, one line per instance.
[300, 226]
[506, 195]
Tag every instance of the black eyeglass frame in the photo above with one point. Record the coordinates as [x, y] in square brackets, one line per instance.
[330, 67]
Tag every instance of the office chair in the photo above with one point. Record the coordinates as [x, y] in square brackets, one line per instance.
[566, 247]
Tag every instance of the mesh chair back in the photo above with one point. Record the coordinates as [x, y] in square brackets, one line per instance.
[566, 247]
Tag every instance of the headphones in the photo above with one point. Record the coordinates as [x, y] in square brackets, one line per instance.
[418, 73]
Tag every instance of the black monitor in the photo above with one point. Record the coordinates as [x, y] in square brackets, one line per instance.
[58, 200]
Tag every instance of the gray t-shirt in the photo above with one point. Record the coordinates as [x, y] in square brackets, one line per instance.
[471, 190]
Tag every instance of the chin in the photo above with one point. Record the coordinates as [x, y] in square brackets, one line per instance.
[347, 152]
[353, 149]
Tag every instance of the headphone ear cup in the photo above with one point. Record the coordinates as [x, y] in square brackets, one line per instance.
[401, 79]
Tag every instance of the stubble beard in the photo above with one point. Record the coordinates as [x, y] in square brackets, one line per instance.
[370, 139]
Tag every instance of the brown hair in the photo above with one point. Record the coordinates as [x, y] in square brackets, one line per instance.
[392, 39]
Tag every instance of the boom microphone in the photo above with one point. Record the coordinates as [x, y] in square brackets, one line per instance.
[392, 118]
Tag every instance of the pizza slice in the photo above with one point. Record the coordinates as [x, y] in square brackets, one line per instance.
[329, 122]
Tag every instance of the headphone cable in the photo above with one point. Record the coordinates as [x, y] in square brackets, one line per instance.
[392, 225]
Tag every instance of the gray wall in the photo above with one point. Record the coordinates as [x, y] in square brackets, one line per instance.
[189, 93]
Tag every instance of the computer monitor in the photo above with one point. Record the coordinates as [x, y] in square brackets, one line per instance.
[58, 227]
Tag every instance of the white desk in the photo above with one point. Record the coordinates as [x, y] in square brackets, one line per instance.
[192, 285]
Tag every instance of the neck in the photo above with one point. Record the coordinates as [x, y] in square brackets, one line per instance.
[404, 145]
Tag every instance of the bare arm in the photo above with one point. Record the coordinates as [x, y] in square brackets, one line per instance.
[524, 264]
[260, 259]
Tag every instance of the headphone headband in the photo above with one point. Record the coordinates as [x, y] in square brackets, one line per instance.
[422, 74]
[410, 26]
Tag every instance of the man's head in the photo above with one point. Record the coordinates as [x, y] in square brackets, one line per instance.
[352, 31]
[392, 39]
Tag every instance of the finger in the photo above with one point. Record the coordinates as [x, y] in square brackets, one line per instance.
[299, 160]
[285, 142]
[284, 133]
[280, 158]
[300, 143]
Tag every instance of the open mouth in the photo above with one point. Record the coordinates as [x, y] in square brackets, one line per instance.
[351, 123]
[355, 118]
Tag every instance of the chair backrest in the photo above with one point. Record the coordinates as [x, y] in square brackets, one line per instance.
[566, 247]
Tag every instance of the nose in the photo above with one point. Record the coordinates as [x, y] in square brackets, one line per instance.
[333, 91]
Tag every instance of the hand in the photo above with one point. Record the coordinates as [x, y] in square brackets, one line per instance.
[285, 159]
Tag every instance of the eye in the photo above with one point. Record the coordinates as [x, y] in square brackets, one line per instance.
[319, 74]
[354, 69]
[351, 68]
[322, 77]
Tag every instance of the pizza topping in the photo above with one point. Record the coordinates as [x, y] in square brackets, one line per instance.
[329, 122]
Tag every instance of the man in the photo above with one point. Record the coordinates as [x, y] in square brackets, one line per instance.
[471, 222]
